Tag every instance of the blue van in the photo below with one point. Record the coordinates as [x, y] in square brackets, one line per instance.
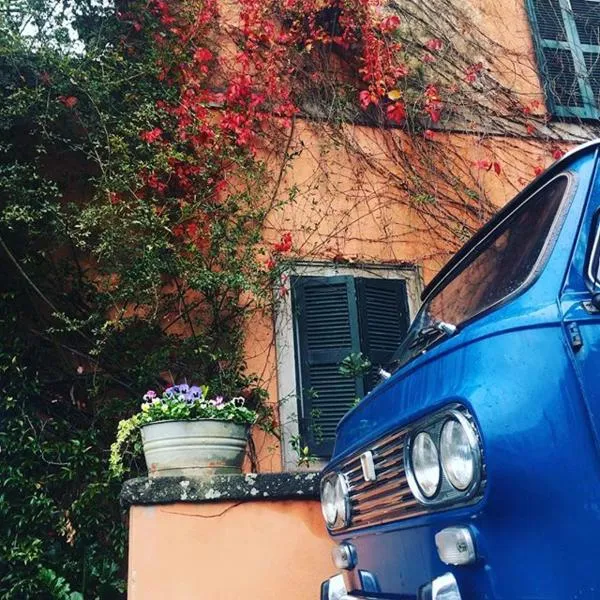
[473, 472]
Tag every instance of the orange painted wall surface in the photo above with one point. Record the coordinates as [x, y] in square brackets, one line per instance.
[267, 550]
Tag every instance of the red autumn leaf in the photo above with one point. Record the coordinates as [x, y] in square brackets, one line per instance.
[531, 128]
[271, 264]
[285, 245]
[483, 164]
[428, 134]
[428, 58]
[434, 112]
[434, 45]
[497, 167]
[192, 230]
[68, 101]
[390, 24]
[366, 98]
[202, 55]
[433, 103]
[155, 183]
[152, 135]
[431, 93]
[396, 112]
[220, 186]
[472, 72]
[557, 153]
[538, 170]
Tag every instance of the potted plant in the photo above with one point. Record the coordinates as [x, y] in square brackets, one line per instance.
[187, 431]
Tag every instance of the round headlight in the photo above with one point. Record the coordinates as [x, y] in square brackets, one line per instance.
[328, 503]
[341, 500]
[425, 464]
[334, 500]
[458, 454]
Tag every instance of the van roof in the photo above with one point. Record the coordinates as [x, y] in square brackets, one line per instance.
[554, 168]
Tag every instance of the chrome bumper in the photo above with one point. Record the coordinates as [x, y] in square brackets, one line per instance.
[444, 587]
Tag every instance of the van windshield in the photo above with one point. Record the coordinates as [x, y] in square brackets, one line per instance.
[498, 265]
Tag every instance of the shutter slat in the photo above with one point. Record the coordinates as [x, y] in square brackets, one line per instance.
[549, 19]
[586, 15]
[562, 79]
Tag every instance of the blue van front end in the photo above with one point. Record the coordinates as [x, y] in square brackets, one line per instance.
[521, 380]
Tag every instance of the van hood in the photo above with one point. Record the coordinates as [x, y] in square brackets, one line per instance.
[454, 370]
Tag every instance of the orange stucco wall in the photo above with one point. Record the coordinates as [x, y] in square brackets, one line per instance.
[267, 550]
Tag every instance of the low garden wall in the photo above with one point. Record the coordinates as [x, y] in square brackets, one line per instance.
[252, 536]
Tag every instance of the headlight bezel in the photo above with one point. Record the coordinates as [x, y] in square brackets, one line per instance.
[447, 493]
[340, 486]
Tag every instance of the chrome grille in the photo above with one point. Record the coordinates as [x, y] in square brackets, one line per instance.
[388, 498]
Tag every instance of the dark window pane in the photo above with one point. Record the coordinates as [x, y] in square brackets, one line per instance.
[498, 265]
[503, 262]
[549, 19]
[561, 82]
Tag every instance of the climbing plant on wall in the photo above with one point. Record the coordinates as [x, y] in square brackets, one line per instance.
[144, 155]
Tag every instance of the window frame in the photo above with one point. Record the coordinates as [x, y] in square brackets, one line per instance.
[593, 261]
[573, 44]
[285, 342]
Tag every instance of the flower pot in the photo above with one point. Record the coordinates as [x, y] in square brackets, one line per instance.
[200, 448]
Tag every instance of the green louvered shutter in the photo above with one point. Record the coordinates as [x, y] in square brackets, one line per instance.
[384, 320]
[326, 331]
[566, 35]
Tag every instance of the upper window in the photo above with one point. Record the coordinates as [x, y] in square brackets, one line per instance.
[567, 39]
[335, 317]
[499, 264]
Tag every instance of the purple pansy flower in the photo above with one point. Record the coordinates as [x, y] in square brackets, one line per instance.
[194, 393]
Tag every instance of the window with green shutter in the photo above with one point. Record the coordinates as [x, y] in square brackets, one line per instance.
[567, 40]
[335, 317]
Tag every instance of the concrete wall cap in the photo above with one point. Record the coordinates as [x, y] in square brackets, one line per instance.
[220, 488]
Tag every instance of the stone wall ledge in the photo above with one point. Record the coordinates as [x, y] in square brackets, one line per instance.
[220, 488]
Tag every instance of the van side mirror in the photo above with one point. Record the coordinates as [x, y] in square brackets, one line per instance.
[596, 300]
